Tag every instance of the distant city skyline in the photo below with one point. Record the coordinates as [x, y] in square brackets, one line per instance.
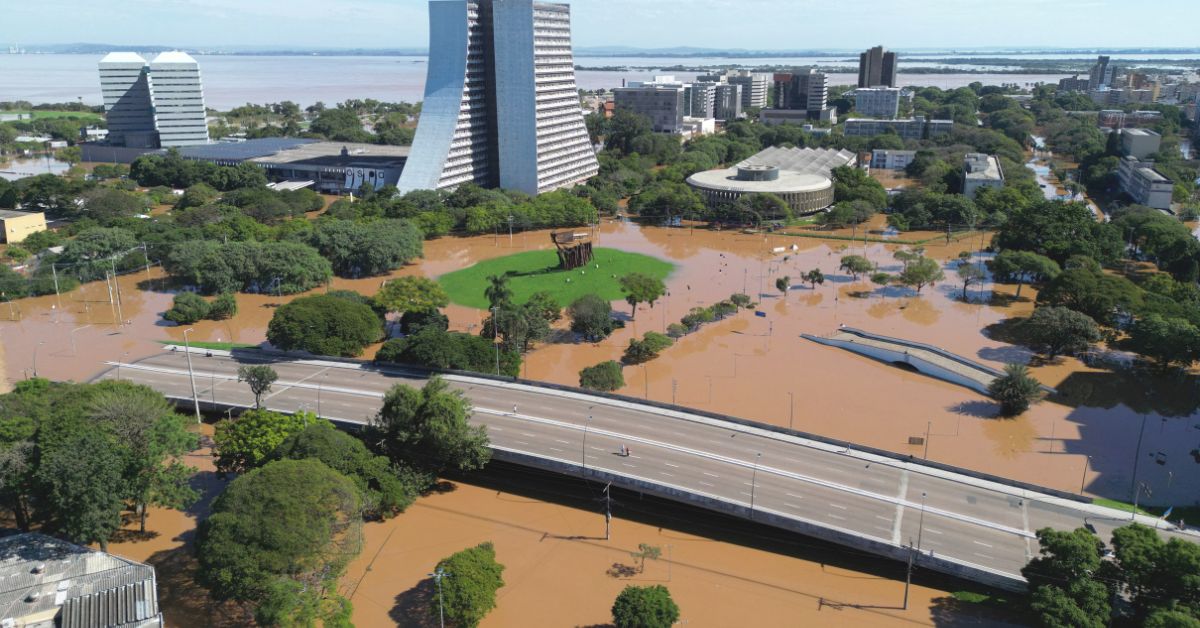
[730, 24]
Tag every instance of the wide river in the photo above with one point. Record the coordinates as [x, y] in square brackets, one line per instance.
[230, 81]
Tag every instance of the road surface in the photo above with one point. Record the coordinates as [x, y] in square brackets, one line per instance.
[776, 477]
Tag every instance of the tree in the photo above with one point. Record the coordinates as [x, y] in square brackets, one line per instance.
[152, 438]
[1106, 298]
[413, 322]
[646, 349]
[497, 291]
[591, 317]
[324, 325]
[646, 551]
[645, 607]
[814, 277]
[259, 378]
[921, 272]
[384, 492]
[1169, 341]
[1021, 267]
[881, 279]
[741, 300]
[248, 441]
[429, 428]
[856, 265]
[280, 537]
[783, 284]
[187, 308]
[1015, 390]
[469, 594]
[433, 347]
[224, 307]
[1055, 331]
[340, 125]
[640, 288]
[604, 377]
[969, 274]
[83, 486]
[412, 294]
[518, 325]
[358, 249]
[1064, 580]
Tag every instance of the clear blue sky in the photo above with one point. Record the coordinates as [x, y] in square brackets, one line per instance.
[755, 24]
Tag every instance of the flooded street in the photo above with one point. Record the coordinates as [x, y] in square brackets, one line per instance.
[757, 368]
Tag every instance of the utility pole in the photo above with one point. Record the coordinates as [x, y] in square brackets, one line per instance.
[117, 290]
[437, 577]
[674, 388]
[1087, 460]
[191, 374]
[928, 427]
[1136, 495]
[791, 410]
[57, 296]
[908, 573]
[583, 447]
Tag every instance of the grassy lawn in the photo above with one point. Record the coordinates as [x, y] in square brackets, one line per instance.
[215, 346]
[537, 271]
[1187, 513]
[57, 114]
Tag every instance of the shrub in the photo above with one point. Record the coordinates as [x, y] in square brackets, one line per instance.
[187, 308]
[324, 325]
[646, 349]
[436, 348]
[604, 377]
[224, 307]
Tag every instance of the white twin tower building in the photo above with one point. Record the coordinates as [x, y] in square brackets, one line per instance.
[156, 104]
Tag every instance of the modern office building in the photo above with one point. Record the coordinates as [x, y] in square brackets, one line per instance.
[1073, 84]
[700, 99]
[1101, 74]
[155, 104]
[802, 90]
[877, 102]
[917, 128]
[728, 101]
[799, 176]
[45, 582]
[663, 101]
[1118, 119]
[501, 106]
[883, 159]
[125, 86]
[877, 68]
[1145, 185]
[1139, 143]
[756, 87]
[981, 171]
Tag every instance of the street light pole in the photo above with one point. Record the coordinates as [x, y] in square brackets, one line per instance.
[496, 336]
[437, 577]
[583, 447]
[191, 374]
[928, 427]
[791, 410]
[1136, 495]
[319, 384]
[921, 523]
[1087, 460]
[754, 483]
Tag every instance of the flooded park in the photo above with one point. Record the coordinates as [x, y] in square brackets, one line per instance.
[1107, 427]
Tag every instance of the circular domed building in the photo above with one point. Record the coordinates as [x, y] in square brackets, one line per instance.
[798, 176]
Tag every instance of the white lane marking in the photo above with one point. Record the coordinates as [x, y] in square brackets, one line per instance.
[793, 495]
[791, 505]
[982, 543]
[555, 449]
[746, 494]
[711, 475]
[983, 556]
[670, 475]
[673, 466]
[932, 531]
[597, 449]
[838, 506]
[838, 517]
[561, 442]
[495, 429]
[528, 435]
[520, 442]
[883, 518]
[900, 507]
[631, 466]
[707, 484]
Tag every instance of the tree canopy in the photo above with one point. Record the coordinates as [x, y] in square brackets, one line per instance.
[645, 607]
[325, 325]
[469, 594]
[428, 428]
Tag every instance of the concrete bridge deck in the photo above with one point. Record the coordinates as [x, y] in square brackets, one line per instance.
[926, 359]
[956, 522]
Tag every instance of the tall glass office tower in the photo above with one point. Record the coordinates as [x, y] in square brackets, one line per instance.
[501, 106]
[156, 104]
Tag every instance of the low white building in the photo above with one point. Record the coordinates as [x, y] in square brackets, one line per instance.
[877, 102]
[883, 159]
[1139, 143]
[981, 171]
[1145, 185]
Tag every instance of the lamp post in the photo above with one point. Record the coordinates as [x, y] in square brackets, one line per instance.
[320, 382]
[510, 237]
[496, 336]
[187, 348]
[921, 522]
[791, 410]
[35, 353]
[1136, 495]
[437, 577]
[754, 483]
[583, 447]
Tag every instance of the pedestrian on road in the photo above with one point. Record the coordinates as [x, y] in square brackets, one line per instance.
[514, 408]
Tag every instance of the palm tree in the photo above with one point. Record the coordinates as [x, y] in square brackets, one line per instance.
[498, 292]
[1015, 390]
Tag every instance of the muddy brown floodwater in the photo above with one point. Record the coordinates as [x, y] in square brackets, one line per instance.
[1105, 431]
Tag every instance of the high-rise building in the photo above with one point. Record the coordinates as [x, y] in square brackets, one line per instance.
[1101, 74]
[156, 104]
[501, 106]
[125, 85]
[664, 103]
[877, 102]
[756, 86]
[802, 90]
[877, 68]
[701, 99]
[728, 104]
